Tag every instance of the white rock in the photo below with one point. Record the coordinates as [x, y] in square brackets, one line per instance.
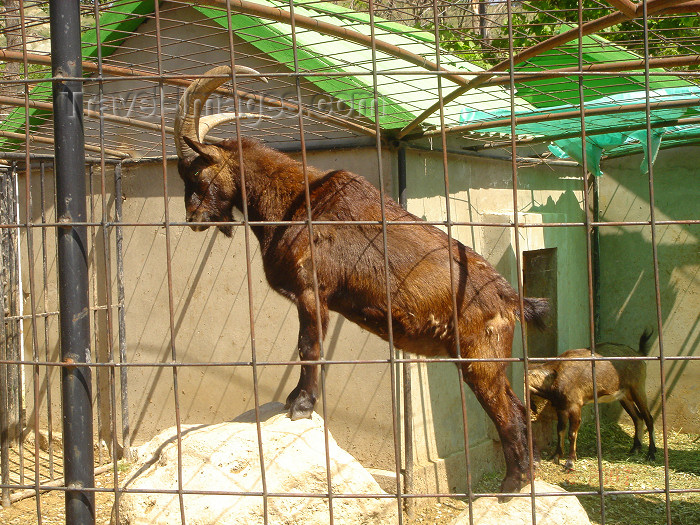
[550, 510]
[225, 457]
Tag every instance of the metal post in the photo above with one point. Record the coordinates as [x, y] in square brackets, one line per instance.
[76, 388]
[409, 504]
[595, 256]
[126, 429]
[4, 422]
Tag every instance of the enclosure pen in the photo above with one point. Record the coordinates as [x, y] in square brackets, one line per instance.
[385, 202]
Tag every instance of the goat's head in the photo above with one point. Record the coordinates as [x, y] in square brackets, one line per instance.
[210, 171]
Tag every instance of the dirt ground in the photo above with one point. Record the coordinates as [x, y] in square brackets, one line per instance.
[50, 505]
[620, 472]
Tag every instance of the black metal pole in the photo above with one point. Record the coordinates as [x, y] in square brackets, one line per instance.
[76, 382]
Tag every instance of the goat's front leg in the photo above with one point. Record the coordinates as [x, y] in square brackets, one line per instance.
[302, 399]
[489, 383]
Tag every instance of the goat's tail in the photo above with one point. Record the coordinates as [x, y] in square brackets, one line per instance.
[536, 310]
[644, 345]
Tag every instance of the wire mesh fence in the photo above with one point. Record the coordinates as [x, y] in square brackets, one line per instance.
[558, 140]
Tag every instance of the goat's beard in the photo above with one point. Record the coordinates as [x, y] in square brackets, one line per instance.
[226, 229]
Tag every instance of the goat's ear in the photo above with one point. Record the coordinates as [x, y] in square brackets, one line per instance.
[210, 152]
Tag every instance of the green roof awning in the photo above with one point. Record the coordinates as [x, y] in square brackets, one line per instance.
[554, 92]
[115, 27]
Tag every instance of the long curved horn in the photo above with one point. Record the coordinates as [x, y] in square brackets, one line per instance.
[187, 119]
[209, 122]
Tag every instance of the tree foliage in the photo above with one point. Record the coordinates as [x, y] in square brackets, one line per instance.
[477, 30]
[667, 35]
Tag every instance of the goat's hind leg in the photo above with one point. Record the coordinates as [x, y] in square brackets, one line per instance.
[629, 407]
[302, 399]
[640, 401]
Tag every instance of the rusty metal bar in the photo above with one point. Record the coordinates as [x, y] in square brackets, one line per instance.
[356, 223]
[612, 129]
[589, 268]
[558, 115]
[386, 271]
[4, 419]
[11, 101]
[452, 273]
[233, 364]
[249, 279]
[44, 267]
[45, 140]
[121, 313]
[518, 266]
[314, 266]
[407, 369]
[169, 270]
[184, 81]
[625, 6]
[655, 264]
[606, 67]
[21, 400]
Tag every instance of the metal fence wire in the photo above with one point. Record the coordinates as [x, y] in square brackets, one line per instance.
[559, 140]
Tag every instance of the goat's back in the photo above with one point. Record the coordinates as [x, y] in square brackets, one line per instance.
[351, 269]
[631, 372]
[572, 380]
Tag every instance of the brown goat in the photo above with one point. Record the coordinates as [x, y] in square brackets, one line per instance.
[568, 385]
[349, 264]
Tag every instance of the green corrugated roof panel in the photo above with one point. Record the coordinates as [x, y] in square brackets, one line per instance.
[565, 90]
[270, 38]
[115, 27]
[400, 97]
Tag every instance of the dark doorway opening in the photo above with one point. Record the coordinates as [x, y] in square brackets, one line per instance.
[540, 280]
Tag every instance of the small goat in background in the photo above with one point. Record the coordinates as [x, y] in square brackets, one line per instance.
[568, 385]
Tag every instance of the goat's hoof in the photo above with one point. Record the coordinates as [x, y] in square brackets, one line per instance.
[302, 406]
[569, 465]
[292, 397]
[651, 456]
[510, 485]
[504, 499]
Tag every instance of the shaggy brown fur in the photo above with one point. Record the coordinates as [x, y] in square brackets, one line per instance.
[568, 385]
[352, 278]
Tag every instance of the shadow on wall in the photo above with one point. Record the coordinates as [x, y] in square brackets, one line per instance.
[566, 204]
[628, 301]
